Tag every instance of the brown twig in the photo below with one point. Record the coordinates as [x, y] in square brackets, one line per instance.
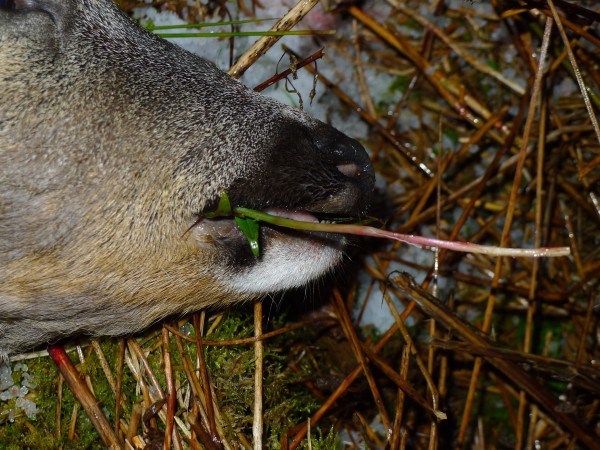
[280, 76]
[199, 320]
[263, 44]
[351, 336]
[257, 427]
[508, 222]
[171, 396]
[433, 308]
[84, 396]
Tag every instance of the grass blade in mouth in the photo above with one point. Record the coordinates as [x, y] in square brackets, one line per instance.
[362, 230]
[248, 221]
[250, 229]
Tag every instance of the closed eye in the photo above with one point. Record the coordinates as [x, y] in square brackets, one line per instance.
[19, 5]
[8, 5]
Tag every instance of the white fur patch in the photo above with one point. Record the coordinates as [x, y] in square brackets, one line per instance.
[288, 262]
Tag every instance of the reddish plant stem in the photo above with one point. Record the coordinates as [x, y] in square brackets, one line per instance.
[83, 395]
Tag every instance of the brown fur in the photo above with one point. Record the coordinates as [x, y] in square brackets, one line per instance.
[112, 142]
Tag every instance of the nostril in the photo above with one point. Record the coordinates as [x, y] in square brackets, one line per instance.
[349, 169]
[347, 155]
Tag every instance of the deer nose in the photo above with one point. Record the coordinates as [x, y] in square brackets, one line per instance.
[349, 157]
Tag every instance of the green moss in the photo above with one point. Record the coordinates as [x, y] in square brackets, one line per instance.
[324, 441]
[399, 84]
[287, 402]
[40, 431]
[493, 64]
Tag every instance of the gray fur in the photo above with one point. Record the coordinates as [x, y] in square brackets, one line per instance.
[112, 142]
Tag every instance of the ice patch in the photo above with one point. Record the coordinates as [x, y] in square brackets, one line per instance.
[13, 399]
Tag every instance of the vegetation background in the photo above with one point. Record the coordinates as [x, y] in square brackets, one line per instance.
[481, 121]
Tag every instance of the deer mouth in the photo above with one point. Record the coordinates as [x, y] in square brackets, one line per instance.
[227, 237]
[287, 258]
[306, 177]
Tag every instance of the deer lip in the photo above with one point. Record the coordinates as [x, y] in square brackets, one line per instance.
[221, 227]
[299, 215]
[224, 230]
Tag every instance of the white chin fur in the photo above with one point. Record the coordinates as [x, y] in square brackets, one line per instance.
[287, 263]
